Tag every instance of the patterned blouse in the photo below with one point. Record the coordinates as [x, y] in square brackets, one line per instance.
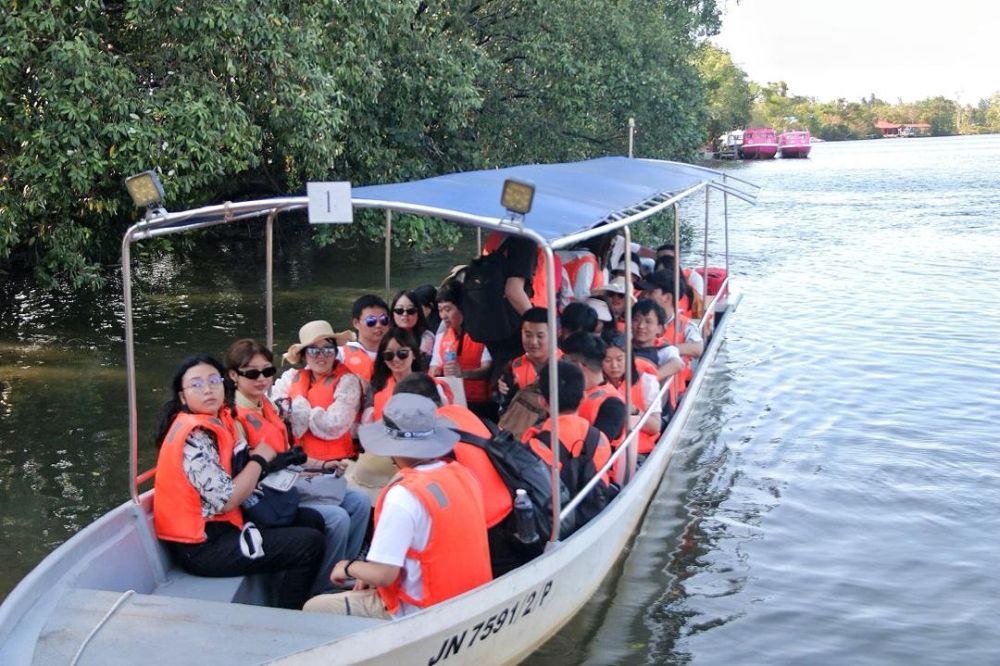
[205, 472]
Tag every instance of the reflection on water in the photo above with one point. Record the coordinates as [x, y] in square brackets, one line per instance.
[832, 501]
[63, 419]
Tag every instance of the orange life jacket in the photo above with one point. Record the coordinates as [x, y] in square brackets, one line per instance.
[582, 259]
[382, 397]
[524, 370]
[645, 365]
[320, 394]
[496, 496]
[539, 295]
[176, 503]
[647, 440]
[470, 357]
[263, 425]
[589, 407]
[457, 555]
[572, 432]
[359, 362]
[667, 338]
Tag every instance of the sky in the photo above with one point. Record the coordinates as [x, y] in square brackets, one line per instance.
[830, 49]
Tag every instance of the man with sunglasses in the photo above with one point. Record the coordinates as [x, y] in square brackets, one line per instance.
[370, 318]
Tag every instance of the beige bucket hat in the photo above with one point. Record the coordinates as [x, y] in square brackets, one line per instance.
[312, 333]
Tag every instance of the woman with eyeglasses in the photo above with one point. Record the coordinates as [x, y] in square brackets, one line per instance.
[250, 366]
[643, 390]
[408, 314]
[197, 509]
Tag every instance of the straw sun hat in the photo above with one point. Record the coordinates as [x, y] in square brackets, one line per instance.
[313, 333]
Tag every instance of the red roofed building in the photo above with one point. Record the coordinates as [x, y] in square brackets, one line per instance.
[893, 130]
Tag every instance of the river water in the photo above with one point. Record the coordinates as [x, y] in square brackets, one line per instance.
[834, 501]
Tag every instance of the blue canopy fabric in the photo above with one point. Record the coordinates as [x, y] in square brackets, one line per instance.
[569, 197]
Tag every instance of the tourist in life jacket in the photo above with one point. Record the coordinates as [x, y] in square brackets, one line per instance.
[614, 294]
[456, 354]
[647, 327]
[601, 405]
[408, 314]
[250, 366]
[659, 286]
[523, 370]
[577, 317]
[196, 505]
[324, 397]
[692, 297]
[430, 541]
[497, 502]
[643, 389]
[370, 318]
[398, 356]
[585, 449]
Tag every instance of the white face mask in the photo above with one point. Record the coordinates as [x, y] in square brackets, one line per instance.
[251, 542]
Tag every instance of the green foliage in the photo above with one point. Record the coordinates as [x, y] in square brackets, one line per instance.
[235, 99]
[728, 94]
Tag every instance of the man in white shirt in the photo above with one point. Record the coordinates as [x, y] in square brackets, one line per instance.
[406, 570]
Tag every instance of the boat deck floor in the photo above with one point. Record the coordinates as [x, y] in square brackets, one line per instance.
[174, 630]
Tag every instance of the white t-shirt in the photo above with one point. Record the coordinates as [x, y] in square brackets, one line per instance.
[650, 387]
[666, 354]
[356, 345]
[403, 524]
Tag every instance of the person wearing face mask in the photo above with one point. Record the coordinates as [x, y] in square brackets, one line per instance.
[370, 318]
[250, 366]
[196, 512]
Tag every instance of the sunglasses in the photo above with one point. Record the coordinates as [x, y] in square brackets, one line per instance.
[372, 320]
[313, 352]
[269, 371]
[405, 311]
[199, 384]
[400, 354]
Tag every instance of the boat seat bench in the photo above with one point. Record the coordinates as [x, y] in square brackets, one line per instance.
[171, 630]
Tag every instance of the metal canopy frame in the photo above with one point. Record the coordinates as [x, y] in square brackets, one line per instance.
[162, 223]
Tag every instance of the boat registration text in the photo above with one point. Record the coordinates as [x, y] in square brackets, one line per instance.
[494, 624]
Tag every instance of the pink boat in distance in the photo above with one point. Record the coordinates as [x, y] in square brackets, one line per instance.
[795, 143]
[759, 143]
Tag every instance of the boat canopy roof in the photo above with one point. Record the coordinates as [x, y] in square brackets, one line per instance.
[570, 198]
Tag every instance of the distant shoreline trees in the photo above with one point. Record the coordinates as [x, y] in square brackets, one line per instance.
[772, 105]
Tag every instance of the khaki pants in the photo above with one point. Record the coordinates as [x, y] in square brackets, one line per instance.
[360, 603]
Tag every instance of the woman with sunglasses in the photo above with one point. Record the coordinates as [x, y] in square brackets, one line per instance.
[397, 357]
[408, 314]
[197, 509]
[250, 366]
[643, 391]
[325, 396]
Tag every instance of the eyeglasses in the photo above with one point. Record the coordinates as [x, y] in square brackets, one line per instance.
[199, 384]
[405, 311]
[372, 320]
[269, 371]
[313, 352]
[400, 354]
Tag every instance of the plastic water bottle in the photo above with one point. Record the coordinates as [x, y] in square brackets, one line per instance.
[524, 516]
[449, 356]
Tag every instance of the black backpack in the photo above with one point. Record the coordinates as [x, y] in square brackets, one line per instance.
[576, 472]
[520, 467]
[488, 317]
